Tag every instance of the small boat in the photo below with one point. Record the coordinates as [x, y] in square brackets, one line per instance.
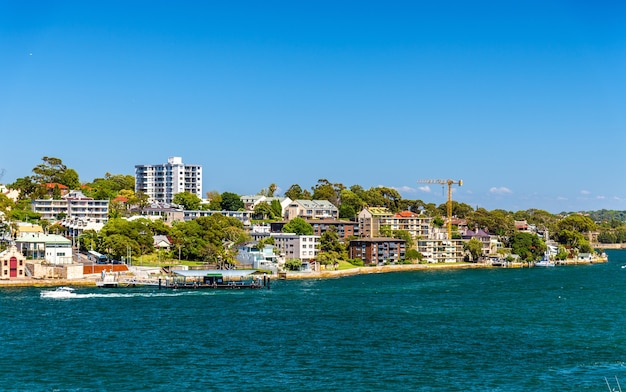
[545, 261]
[60, 292]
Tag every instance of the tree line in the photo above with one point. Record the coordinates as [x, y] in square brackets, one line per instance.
[570, 230]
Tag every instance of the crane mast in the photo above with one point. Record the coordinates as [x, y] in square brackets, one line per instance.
[449, 205]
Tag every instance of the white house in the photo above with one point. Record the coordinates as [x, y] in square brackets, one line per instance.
[265, 258]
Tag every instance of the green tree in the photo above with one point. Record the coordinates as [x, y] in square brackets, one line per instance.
[70, 179]
[298, 226]
[404, 235]
[329, 242]
[351, 204]
[210, 238]
[269, 191]
[325, 190]
[215, 200]
[263, 211]
[383, 197]
[295, 192]
[412, 255]
[578, 223]
[6, 205]
[474, 247]
[110, 186]
[328, 258]
[50, 171]
[385, 231]
[189, 201]
[28, 188]
[231, 202]
[141, 200]
[529, 247]
[277, 209]
[570, 238]
[293, 264]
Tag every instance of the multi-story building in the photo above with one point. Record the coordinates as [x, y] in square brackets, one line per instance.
[292, 246]
[344, 229]
[162, 182]
[311, 209]
[75, 211]
[440, 250]
[372, 219]
[369, 220]
[378, 250]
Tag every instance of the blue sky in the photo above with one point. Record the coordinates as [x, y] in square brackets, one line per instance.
[525, 101]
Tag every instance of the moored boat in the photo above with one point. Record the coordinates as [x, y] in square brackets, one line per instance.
[545, 261]
[215, 279]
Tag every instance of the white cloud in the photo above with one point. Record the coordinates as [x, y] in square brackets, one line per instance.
[424, 188]
[600, 197]
[561, 198]
[500, 190]
[405, 189]
[585, 192]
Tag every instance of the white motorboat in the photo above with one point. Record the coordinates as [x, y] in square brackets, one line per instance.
[60, 292]
[545, 261]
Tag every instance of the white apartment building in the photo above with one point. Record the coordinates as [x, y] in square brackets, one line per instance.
[76, 211]
[162, 182]
[293, 246]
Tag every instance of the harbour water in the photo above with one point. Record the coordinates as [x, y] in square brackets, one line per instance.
[540, 329]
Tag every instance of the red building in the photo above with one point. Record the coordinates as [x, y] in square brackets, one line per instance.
[12, 264]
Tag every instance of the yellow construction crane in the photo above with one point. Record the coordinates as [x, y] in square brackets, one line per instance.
[450, 183]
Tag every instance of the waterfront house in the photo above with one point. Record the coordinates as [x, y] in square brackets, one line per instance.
[490, 243]
[292, 246]
[250, 255]
[52, 248]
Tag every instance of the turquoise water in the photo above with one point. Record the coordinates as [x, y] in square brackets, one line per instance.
[550, 329]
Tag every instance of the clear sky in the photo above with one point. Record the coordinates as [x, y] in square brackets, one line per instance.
[525, 101]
